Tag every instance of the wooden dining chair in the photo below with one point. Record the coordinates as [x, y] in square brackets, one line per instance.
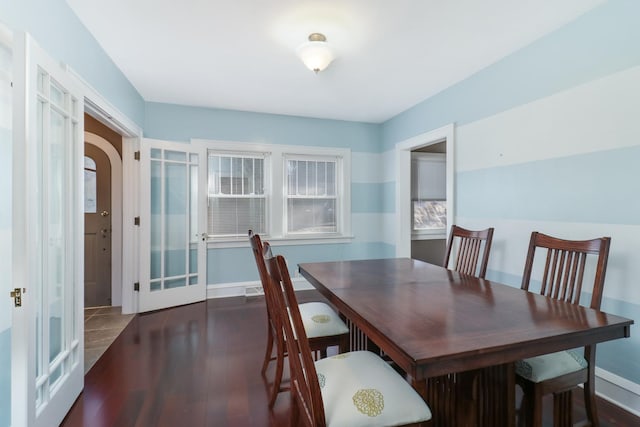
[468, 245]
[351, 389]
[323, 325]
[560, 372]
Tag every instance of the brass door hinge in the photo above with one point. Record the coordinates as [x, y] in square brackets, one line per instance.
[136, 220]
[136, 155]
[136, 286]
[16, 294]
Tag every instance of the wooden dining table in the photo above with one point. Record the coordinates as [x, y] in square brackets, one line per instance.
[455, 336]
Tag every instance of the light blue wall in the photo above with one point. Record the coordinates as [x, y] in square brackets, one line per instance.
[59, 32]
[182, 123]
[572, 191]
[601, 42]
[598, 44]
[575, 181]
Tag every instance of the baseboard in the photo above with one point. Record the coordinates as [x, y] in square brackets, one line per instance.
[253, 288]
[619, 391]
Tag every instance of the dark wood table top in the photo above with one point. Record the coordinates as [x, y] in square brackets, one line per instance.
[433, 321]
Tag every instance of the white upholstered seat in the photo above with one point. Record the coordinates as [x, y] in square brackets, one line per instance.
[360, 389]
[320, 320]
[547, 366]
[348, 390]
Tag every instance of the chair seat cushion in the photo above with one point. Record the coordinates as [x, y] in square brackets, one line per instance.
[361, 389]
[320, 320]
[547, 366]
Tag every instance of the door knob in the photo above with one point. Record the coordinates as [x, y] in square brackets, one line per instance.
[104, 213]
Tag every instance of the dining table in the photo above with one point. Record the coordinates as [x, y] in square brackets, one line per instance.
[455, 336]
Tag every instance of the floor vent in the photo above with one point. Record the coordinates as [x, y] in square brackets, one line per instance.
[253, 291]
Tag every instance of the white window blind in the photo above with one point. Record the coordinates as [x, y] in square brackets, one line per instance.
[428, 191]
[311, 195]
[236, 196]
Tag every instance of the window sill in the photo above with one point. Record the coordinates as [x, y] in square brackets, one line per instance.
[241, 242]
[429, 235]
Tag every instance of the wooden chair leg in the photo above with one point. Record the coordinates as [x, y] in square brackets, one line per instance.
[562, 409]
[269, 350]
[521, 412]
[590, 403]
[277, 380]
[530, 413]
[295, 411]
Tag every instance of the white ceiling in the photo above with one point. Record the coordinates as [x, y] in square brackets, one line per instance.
[241, 54]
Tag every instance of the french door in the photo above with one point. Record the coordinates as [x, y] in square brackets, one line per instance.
[6, 219]
[173, 220]
[47, 241]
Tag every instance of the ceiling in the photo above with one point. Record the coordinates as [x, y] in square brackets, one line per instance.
[241, 54]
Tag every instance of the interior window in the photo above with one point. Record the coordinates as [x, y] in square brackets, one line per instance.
[90, 186]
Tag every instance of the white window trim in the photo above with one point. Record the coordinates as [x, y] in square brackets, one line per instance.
[275, 191]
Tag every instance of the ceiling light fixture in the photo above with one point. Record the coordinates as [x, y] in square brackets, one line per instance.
[316, 53]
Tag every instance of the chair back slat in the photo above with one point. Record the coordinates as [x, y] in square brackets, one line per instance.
[564, 267]
[305, 388]
[468, 247]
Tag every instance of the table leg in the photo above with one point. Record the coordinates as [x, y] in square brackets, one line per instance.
[482, 397]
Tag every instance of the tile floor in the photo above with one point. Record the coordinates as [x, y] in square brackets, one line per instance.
[101, 327]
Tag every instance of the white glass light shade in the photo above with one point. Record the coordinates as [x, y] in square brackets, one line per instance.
[316, 55]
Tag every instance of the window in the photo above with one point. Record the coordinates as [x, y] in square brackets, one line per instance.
[282, 192]
[428, 193]
[311, 196]
[90, 186]
[236, 195]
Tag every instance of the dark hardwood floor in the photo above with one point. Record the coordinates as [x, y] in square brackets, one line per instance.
[199, 365]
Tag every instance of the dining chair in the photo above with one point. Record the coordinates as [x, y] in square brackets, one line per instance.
[323, 325]
[559, 373]
[351, 389]
[467, 245]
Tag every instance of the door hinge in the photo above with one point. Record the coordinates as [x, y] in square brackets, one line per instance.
[136, 220]
[16, 294]
[136, 155]
[136, 286]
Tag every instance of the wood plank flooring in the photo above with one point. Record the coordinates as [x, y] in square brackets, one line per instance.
[199, 365]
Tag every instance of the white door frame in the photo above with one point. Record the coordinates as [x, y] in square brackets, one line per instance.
[116, 213]
[403, 182]
[99, 108]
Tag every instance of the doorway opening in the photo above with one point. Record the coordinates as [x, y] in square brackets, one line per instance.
[103, 239]
[429, 203]
[438, 142]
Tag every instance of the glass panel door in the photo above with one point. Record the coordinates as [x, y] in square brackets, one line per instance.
[173, 261]
[6, 170]
[47, 354]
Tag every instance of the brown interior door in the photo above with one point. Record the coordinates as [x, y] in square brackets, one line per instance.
[97, 228]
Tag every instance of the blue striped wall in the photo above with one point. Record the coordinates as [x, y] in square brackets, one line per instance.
[548, 139]
[601, 42]
[501, 181]
[58, 31]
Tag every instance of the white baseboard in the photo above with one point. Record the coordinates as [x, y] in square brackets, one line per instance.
[253, 288]
[619, 391]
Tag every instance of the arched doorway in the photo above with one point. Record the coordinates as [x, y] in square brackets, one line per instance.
[103, 223]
